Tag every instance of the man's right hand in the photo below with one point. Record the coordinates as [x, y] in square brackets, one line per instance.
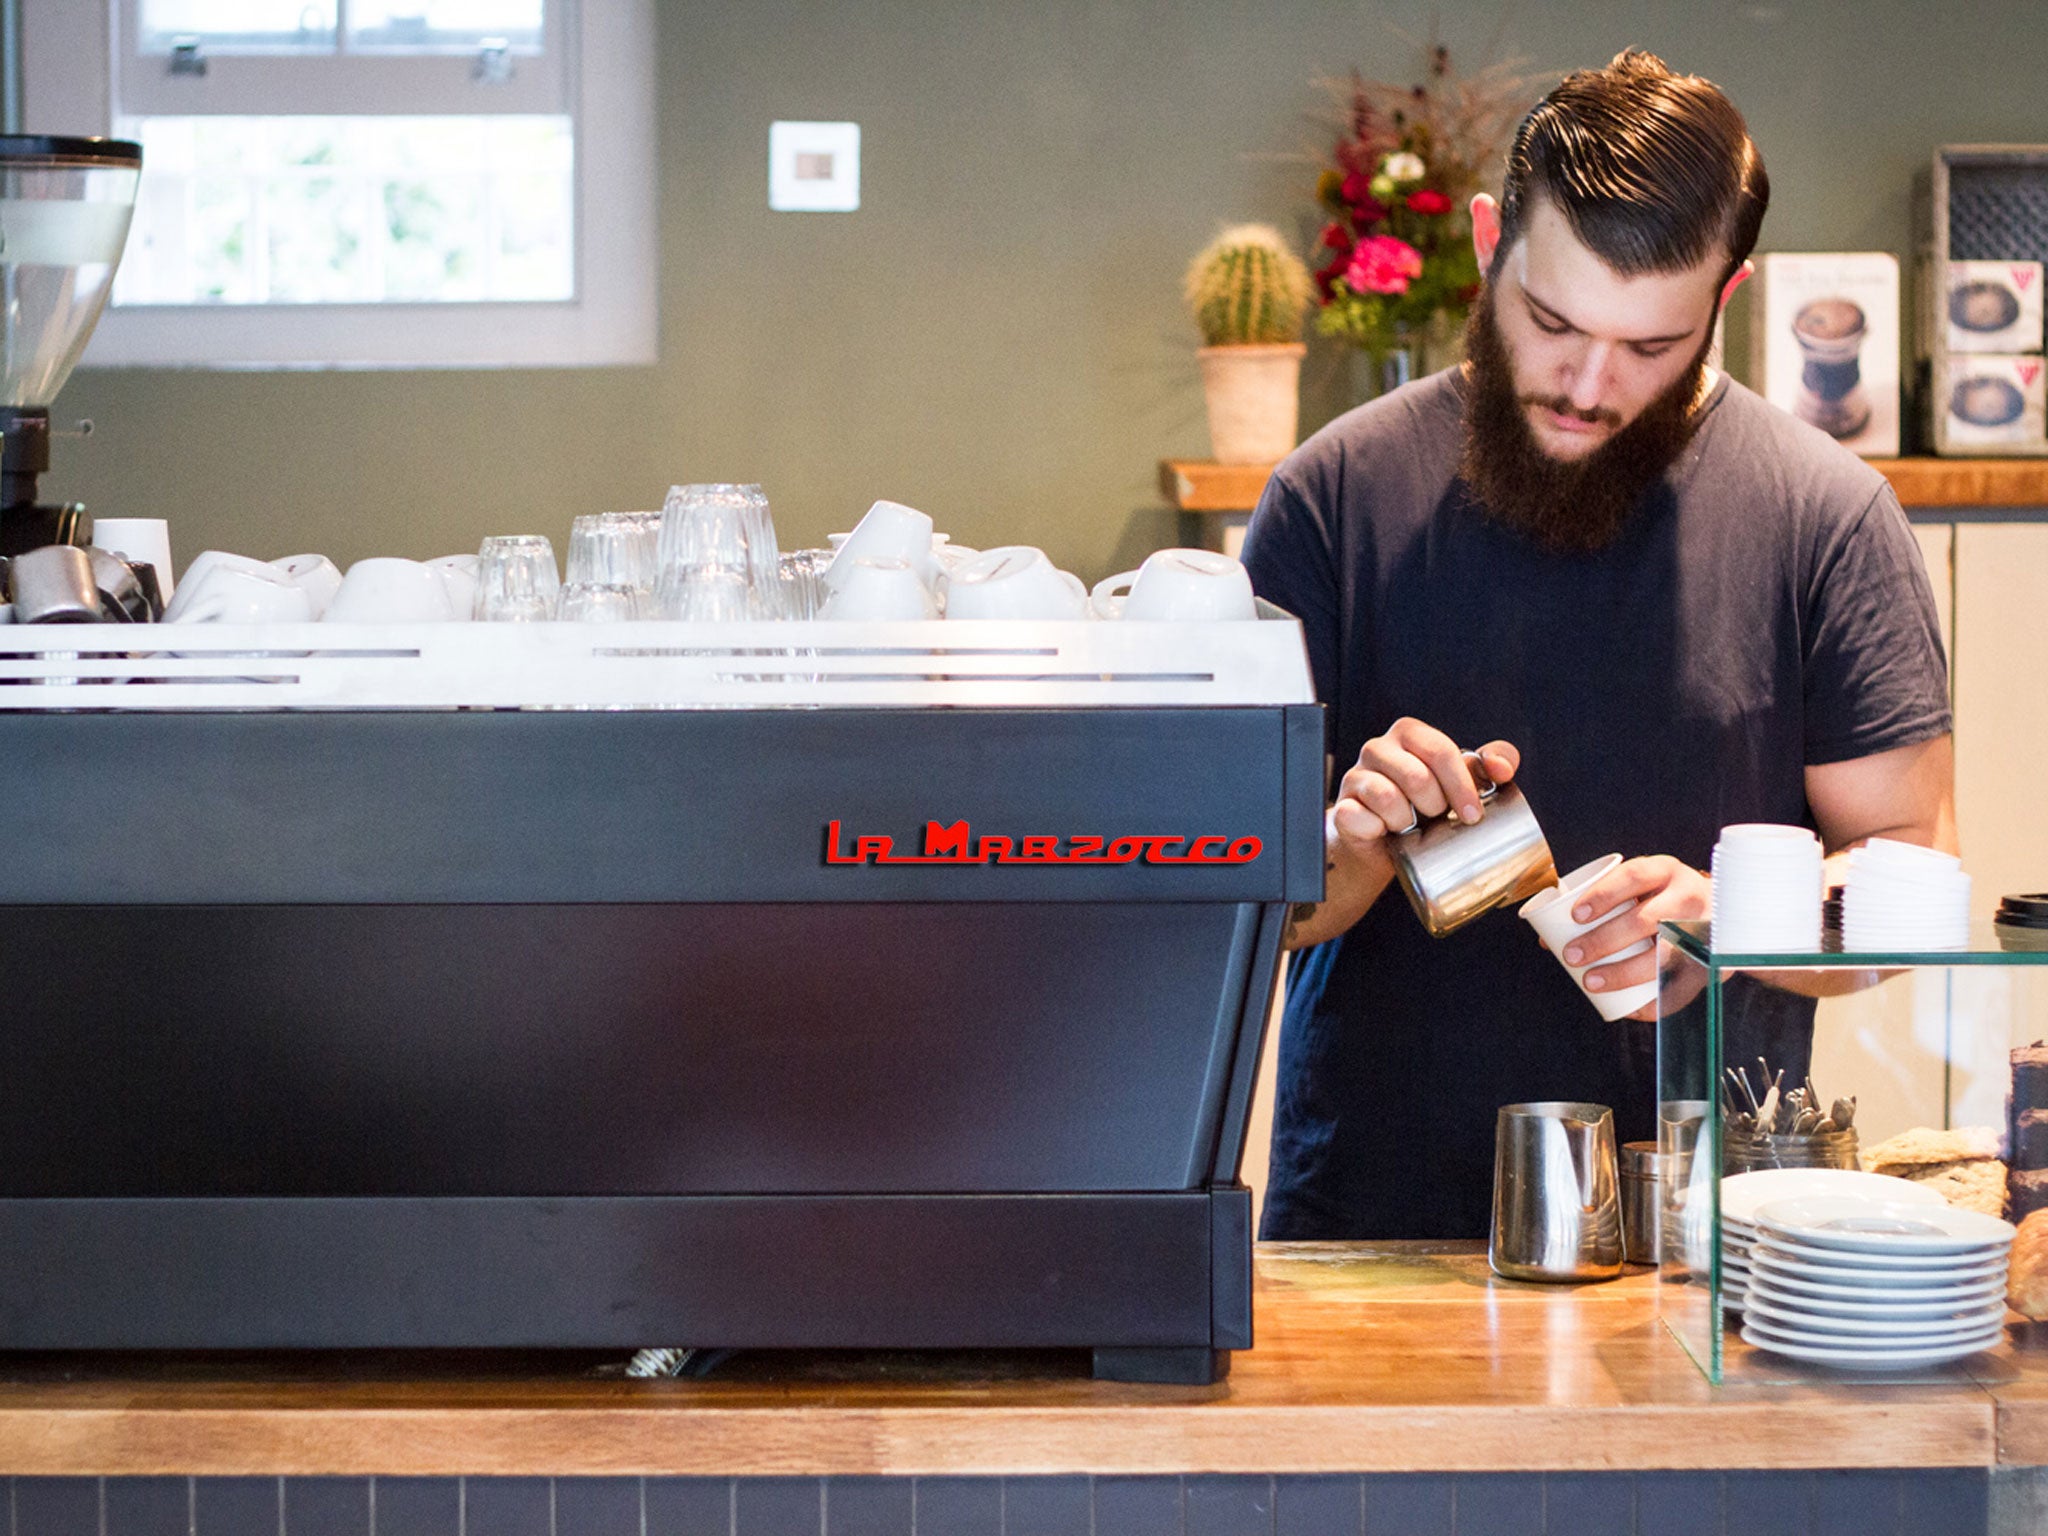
[1412, 774]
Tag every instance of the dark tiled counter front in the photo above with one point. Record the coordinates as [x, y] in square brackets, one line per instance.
[1395, 1388]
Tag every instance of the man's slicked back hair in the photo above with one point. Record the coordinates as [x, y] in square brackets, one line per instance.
[1654, 171]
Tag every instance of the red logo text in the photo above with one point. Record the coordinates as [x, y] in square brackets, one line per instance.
[955, 843]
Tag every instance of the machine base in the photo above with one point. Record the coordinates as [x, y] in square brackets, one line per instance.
[1163, 1367]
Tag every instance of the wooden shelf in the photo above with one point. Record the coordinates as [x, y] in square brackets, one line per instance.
[1390, 1357]
[1200, 485]
[1196, 485]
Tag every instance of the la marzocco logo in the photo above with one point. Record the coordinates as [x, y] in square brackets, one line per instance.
[955, 843]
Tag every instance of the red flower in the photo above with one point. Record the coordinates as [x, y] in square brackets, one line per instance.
[1368, 213]
[1383, 264]
[1335, 238]
[1429, 201]
[1357, 190]
[1326, 278]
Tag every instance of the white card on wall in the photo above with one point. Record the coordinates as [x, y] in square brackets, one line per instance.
[814, 167]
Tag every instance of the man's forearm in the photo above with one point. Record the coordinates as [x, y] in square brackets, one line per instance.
[1352, 882]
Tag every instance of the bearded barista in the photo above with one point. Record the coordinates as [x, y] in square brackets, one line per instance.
[1659, 603]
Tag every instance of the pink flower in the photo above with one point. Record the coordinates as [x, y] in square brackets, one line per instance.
[1429, 201]
[1383, 264]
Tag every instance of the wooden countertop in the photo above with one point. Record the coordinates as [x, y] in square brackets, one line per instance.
[1199, 485]
[1370, 1358]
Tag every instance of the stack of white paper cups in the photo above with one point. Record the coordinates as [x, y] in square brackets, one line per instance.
[1900, 896]
[1550, 914]
[1767, 889]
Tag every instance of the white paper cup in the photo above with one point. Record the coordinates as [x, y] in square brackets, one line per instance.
[1550, 914]
[389, 591]
[144, 540]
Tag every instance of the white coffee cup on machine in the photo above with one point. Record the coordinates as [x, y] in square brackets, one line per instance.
[1180, 586]
[1016, 581]
[390, 591]
[315, 575]
[879, 589]
[1550, 914]
[890, 530]
[235, 591]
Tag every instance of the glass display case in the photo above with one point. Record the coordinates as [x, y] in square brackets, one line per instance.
[1900, 1041]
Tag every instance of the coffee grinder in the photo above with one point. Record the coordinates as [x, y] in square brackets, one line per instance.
[64, 210]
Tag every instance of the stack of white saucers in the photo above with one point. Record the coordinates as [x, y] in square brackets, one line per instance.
[1875, 1285]
[1767, 889]
[1744, 1194]
[1900, 896]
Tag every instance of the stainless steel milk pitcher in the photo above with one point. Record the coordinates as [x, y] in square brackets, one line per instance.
[1556, 1195]
[1452, 870]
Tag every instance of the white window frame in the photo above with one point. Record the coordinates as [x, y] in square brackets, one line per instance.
[68, 75]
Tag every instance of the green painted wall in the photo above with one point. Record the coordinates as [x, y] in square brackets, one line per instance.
[996, 336]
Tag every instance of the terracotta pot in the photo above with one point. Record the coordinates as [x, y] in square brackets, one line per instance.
[1254, 396]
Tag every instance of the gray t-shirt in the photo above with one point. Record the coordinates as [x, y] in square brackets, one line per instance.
[1765, 609]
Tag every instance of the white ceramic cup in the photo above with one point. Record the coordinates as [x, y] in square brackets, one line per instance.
[1014, 582]
[1550, 914]
[208, 560]
[141, 540]
[880, 589]
[890, 531]
[389, 591]
[458, 575]
[232, 594]
[1178, 585]
[315, 575]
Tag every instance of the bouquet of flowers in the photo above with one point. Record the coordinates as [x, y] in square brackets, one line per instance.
[1397, 250]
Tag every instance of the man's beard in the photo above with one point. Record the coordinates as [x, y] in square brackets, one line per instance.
[1569, 505]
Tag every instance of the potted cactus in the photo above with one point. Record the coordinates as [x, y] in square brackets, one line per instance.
[1249, 292]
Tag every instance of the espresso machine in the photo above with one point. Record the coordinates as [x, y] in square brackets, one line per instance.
[65, 205]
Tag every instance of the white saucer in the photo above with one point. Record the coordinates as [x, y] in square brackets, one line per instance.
[1868, 1359]
[1776, 1336]
[1842, 1264]
[1811, 1327]
[1850, 1300]
[1885, 1227]
[1743, 1194]
[1786, 1264]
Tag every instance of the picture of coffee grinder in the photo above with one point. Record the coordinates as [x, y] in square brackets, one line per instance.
[1830, 334]
[65, 204]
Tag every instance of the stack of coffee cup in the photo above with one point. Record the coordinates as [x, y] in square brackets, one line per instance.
[1767, 889]
[1901, 896]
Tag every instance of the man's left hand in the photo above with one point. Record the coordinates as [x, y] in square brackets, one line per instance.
[1664, 890]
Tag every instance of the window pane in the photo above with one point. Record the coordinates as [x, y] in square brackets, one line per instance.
[222, 25]
[438, 24]
[314, 210]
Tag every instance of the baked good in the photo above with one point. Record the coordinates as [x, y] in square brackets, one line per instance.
[2026, 1282]
[2030, 1138]
[2028, 1190]
[1972, 1184]
[1922, 1147]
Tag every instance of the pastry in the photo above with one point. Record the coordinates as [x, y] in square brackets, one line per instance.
[2026, 1282]
[1973, 1184]
[2030, 1138]
[2029, 1190]
[1922, 1147]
